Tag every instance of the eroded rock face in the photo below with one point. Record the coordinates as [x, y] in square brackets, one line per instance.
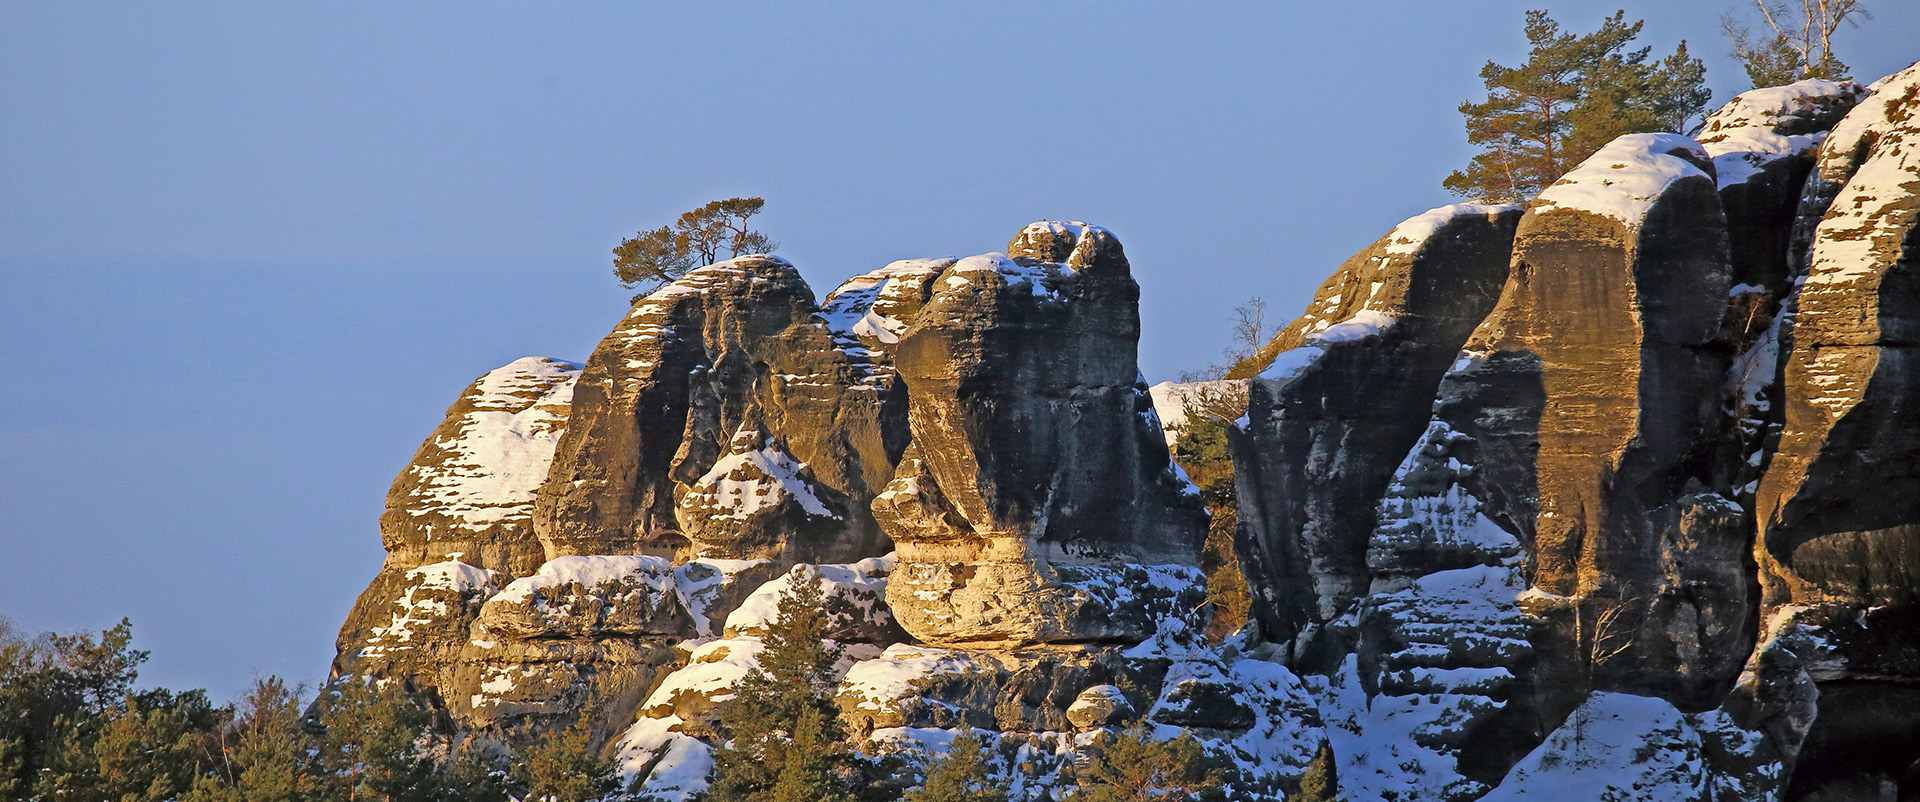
[737, 346]
[1034, 471]
[1345, 397]
[458, 522]
[1762, 145]
[1837, 511]
[1618, 291]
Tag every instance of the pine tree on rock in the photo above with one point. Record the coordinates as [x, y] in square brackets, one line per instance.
[1321, 782]
[962, 775]
[1573, 94]
[787, 740]
[1136, 767]
[651, 258]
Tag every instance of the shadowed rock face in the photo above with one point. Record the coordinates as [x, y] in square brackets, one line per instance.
[1839, 511]
[1027, 456]
[1347, 395]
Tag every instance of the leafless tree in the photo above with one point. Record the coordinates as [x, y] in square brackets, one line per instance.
[1801, 41]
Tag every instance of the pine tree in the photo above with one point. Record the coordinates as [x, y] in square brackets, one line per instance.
[267, 756]
[787, 740]
[1136, 767]
[698, 237]
[85, 733]
[1321, 782]
[962, 775]
[564, 767]
[1573, 94]
[377, 742]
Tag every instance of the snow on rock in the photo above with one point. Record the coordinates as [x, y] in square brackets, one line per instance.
[437, 602]
[497, 455]
[587, 596]
[1762, 125]
[1876, 151]
[1415, 232]
[753, 478]
[752, 500]
[1428, 519]
[855, 594]
[1291, 363]
[1614, 747]
[867, 314]
[713, 586]
[1453, 642]
[1375, 280]
[1174, 401]
[1623, 179]
[995, 269]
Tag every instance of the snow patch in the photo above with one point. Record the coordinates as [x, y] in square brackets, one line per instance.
[1623, 180]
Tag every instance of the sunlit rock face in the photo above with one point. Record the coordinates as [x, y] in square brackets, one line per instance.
[458, 523]
[737, 348]
[1038, 469]
[1603, 497]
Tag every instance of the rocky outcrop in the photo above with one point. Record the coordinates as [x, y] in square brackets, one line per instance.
[458, 522]
[1034, 471]
[1609, 497]
[1762, 145]
[1345, 396]
[1619, 288]
[731, 348]
[1838, 515]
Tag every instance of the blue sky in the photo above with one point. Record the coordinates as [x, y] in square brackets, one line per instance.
[250, 252]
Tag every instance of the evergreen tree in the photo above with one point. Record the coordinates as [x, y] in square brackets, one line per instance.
[962, 775]
[73, 727]
[267, 755]
[787, 740]
[1573, 94]
[651, 258]
[1136, 767]
[564, 767]
[378, 743]
[1321, 782]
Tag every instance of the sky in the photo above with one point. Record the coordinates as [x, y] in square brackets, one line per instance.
[249, 253]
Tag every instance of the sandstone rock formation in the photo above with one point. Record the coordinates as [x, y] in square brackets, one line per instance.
[1345, 397]
[1837, 510]
[458, 523]
[1033, 470]
[1613, 496]
[738, 346]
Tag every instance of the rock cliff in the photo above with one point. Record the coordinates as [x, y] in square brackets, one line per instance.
[1610, 496]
